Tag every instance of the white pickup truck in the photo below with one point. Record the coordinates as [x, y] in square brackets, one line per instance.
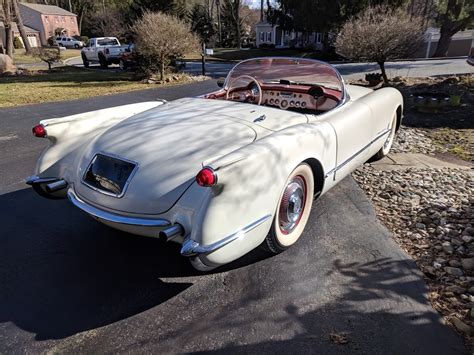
[102, 50]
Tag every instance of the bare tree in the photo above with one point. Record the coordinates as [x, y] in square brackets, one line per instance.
[108, 23]
[48, 55]
[379, 34]
[162, 37]
[21, 28]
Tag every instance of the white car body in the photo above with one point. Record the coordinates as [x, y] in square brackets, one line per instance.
[69, 42]
[251, 148]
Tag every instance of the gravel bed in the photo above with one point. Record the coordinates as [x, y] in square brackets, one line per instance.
[431, 215]
[404, 142]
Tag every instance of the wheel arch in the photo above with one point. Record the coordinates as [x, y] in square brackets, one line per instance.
[399, 117]
[318, 174]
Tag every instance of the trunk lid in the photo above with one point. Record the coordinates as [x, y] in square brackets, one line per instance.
[168, 145]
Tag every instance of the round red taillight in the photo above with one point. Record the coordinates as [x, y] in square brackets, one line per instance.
[206, 177]
[39, 131]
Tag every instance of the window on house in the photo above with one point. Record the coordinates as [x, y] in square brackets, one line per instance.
[72, 19]
[63, 19]
[262, 36]
[56, 19]
[269, 36]
[46, 19]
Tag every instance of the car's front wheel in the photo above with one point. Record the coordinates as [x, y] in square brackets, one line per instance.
[388, 141]
[293, 210]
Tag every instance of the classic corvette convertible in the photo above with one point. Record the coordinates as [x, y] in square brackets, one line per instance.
[225, 172]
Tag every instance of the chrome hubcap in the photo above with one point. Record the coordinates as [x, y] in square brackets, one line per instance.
[292, 204]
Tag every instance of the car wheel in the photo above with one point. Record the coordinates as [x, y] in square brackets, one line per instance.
[388, 142]
[292, 213]
[103, 62]
[85, 61]
[122, 65]
[199, 265]
[76, 46]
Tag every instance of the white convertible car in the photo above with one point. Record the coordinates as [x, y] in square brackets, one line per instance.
[225, 172]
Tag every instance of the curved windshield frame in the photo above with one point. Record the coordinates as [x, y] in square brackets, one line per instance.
[274, 70]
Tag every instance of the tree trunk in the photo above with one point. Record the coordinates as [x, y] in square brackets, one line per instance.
[444, 42]
[162, 69]
[21, 28]
[237, 22]
[49, 66]
[7, 21]
[218, 5]
[384, 74]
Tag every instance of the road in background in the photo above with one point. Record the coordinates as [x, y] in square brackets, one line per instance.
[350, 71]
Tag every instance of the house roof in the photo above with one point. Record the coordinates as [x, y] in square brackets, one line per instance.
[48, 9]
[15, 28]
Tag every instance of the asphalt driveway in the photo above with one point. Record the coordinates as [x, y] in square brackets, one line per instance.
[70, 284]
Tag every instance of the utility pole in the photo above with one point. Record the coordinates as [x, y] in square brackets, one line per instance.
[261, 10]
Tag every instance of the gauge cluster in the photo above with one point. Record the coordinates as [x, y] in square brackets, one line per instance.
[286, 100]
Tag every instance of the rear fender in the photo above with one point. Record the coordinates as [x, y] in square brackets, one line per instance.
[69, 135]
[250, 182]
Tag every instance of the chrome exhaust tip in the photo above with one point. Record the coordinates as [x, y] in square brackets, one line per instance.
[171, 233]
[56, 186]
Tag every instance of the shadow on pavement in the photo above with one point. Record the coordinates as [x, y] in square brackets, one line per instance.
[62, 272]
[366, 316]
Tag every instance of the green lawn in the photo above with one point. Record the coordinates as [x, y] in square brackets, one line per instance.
[65, 83]
[19, 57]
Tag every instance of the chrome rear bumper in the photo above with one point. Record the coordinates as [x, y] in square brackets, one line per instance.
[191, 247]
[114, 218]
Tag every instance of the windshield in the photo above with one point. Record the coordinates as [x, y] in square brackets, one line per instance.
[107, 42]
[288, 70]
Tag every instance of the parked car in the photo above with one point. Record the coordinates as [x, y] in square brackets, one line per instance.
[221, 173]
[470, 58]
[69, 42]
[102, 50]
[128, 58]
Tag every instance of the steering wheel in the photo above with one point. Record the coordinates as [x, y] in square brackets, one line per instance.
[249, 93]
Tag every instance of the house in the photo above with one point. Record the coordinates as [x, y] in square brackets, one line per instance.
[33, 35]
[272, 35]
[48, 19]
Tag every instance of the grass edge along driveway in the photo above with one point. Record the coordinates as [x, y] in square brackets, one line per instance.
[68, 83]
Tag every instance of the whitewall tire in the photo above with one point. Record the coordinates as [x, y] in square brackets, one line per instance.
[293, 210]
[388, 141]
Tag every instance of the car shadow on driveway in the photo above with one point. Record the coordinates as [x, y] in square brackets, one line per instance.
[61, 272]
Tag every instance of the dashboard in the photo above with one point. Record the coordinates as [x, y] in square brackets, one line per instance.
[285, 100]
[286, 97]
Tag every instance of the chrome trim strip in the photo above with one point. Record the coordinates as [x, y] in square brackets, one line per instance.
[344, 163]
[35, 179]
[191, 247]
[126, 182]
[110, 217]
